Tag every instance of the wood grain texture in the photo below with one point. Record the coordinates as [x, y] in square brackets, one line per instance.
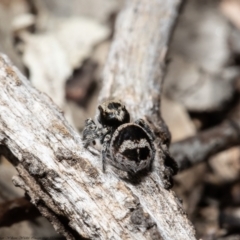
[64, 180]
[136, 63]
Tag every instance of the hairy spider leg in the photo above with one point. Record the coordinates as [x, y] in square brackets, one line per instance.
[89, 132]
[105, 147]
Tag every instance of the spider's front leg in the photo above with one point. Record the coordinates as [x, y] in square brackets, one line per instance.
[90, 132]
[105, 148]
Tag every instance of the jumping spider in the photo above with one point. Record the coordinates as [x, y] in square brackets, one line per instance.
[128, 146]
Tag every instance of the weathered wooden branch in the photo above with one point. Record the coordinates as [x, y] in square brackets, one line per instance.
[136, 63]
[64, 180]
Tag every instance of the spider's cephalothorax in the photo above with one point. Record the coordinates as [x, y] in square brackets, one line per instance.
[127, 146]
[113, 114]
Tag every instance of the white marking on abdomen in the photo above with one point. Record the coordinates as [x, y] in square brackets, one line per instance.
[129, 144]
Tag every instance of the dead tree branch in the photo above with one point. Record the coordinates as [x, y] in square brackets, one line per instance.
[17, 210]
[136, 63]
[199, 148]
[63, 179]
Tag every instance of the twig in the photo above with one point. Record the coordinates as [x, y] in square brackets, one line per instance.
[17, 210]
[199, 148]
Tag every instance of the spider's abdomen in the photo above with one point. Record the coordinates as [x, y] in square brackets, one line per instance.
[131, 148]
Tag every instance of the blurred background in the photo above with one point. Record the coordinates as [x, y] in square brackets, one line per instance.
[61, 46]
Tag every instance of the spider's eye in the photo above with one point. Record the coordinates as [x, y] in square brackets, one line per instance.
[114, 105]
